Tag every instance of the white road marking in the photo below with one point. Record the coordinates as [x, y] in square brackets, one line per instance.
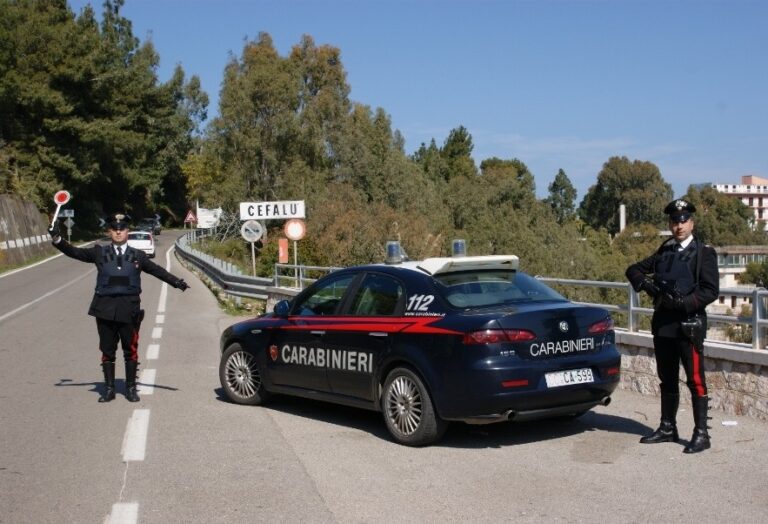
[135, 439]
[153, 351]
[146, 385]
[124, 513]
[157, 332]
[163, 297]
[160, 319]
[43, 297]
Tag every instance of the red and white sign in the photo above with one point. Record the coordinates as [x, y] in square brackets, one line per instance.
[295, 229]
[190, 217]
[282, 250]
[61, 197]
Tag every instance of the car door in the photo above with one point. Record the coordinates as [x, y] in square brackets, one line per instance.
[297, 355]
[358, 345]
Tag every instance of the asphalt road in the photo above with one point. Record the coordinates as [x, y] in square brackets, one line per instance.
[184, 454]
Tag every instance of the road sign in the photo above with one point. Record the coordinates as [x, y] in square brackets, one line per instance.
[69, 223]
[282, 250]
[272, 210]
[295, 229]
[190, 217]
[251, 230]
[67, 213]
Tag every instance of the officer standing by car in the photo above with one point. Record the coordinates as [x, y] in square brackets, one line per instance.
[684, 280]
[116, 301]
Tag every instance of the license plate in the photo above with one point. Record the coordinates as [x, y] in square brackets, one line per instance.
[570, 377]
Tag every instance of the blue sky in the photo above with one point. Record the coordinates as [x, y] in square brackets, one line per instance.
[556, 84]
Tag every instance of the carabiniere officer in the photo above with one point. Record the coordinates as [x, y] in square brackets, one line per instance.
[116, 301]
[682, 278]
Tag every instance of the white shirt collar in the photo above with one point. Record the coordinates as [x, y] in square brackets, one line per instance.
[687, 242]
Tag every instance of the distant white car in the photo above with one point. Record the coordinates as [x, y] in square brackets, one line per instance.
[142, 240]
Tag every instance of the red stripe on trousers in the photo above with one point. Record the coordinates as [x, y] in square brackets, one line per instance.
[696, 375]
[135, 345]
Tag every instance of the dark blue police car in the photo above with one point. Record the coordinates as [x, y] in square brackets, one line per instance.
[469, 339]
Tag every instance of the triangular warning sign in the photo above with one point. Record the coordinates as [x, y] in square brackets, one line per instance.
[190, 217]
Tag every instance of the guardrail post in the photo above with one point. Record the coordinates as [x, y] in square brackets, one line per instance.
[757, 314]
[633, 303]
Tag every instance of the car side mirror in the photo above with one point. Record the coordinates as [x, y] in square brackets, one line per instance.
[282, 308]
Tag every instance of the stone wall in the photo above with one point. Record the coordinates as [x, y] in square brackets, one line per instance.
[23, 232]
[737, 379]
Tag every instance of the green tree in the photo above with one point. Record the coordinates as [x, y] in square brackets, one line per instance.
[81, 108]
[721, 219]
[636, 184]
[562, 197]
[457, 154]
[756, 273]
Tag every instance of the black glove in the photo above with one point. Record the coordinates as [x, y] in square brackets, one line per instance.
[180, 284]
[649, 287]
[54, 231]
[673, 302]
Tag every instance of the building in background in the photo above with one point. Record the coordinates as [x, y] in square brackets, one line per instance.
[753, 193]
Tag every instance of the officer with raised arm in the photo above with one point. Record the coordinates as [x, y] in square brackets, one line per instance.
[682, 278]
[116, 301]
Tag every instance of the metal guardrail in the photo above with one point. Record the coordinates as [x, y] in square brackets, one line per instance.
[757, 320]
[223, 274]
[297, 277]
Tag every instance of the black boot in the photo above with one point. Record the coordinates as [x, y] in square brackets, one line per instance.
[131, 367]
[700, 439]
[109, 382]
[667, 430]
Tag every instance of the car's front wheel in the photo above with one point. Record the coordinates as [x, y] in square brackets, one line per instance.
[408, 410]
[240, 376]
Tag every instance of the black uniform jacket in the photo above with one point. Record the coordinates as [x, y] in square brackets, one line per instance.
[666, 322]
[121, 308]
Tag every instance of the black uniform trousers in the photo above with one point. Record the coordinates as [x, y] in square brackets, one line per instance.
[670, 352]
[111, 332]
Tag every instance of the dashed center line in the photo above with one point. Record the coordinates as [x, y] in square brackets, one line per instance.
[146, 384]
[124, 513]
[135, 440]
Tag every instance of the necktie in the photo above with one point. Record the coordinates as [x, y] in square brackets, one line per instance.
[119, 251]
[119, 257]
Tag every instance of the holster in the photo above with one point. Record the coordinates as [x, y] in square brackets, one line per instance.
[695, 330]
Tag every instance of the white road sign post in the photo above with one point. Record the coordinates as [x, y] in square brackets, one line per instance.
[251, 231]
[69, 223]
[295, 229]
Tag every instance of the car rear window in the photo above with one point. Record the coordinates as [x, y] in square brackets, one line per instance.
[494, 288]
[139, 236]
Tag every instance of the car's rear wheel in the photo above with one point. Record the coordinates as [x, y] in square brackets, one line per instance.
[240, 376]
[408, 410]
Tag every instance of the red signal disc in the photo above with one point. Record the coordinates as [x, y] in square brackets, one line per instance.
[61, 197]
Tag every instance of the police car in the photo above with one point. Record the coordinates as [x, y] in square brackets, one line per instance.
[470, 339]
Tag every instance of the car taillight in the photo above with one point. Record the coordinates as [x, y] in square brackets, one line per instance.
[603, 326]
[496, 336]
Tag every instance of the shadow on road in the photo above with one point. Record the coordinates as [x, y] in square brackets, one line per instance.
[459, 435]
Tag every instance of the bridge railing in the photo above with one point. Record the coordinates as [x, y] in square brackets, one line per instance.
[297, 277]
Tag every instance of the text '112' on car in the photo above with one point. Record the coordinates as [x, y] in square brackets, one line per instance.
[464, 338]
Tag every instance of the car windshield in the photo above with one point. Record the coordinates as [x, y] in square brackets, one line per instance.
[139, 236]
[494, 288]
